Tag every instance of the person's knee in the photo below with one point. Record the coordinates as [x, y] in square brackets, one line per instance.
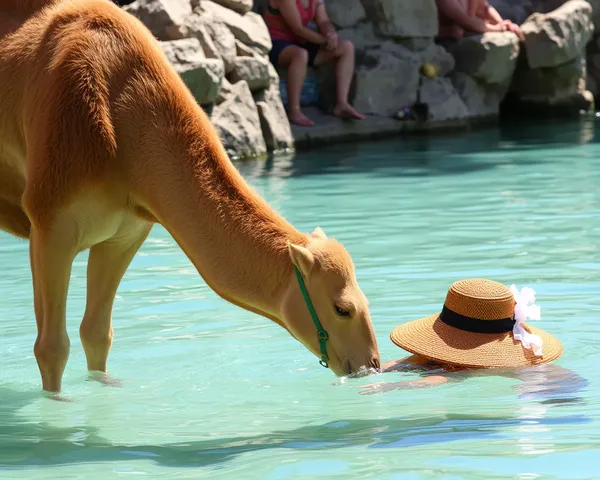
[346, 47]
[299, 57]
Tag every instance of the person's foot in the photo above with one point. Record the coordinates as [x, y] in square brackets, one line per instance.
[346, 111]
[297, 117]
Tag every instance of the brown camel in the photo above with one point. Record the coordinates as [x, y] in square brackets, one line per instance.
[99, 140]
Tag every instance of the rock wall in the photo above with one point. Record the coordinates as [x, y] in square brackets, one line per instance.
[220, 48]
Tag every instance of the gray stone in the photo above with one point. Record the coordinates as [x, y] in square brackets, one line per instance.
[254, 70]
[386, 82]
[545, 83]
[202, 75]
[481, 99]
[362, 36]
[273, 119]
[223, 40]
[491, 57]
[239, 6]
[438, 56]
[403, 18]
[164, 18]
[197, 29]
[224, 92]
[250, 28]
[238, 124]
[244, 50]
[442, 99]
[345, 13]
[559, 36]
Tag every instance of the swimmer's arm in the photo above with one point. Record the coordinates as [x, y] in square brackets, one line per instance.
[403, 364]
[380, 387]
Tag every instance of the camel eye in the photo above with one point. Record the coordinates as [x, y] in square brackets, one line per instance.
[341, 311]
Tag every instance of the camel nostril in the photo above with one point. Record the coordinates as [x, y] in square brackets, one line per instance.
[375, 363]
[348, 367]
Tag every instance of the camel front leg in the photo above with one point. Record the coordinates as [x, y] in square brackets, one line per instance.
[52, 253]
[107, 264]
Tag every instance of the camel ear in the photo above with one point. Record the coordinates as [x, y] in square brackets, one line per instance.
[302, 258]
[319, 233]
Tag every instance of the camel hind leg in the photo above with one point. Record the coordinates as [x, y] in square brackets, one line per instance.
[13, 219]
[107, 264]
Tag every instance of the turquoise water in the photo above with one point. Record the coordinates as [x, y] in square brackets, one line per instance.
[211, 391]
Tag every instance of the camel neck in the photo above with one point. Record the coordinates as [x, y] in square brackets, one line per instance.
[237, 242]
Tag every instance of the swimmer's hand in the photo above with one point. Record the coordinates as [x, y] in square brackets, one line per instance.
[381, 387]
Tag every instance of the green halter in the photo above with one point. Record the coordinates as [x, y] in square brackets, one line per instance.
[321, 332]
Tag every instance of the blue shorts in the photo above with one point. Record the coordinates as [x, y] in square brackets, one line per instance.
[279, 45]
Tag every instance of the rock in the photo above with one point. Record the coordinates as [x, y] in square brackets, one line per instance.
[254, 70]
[443, 100]
[239, 6]
[542, 84]
[202, 75]
[238, 124]
[198, 30]
[403, 18]
[490, 57]
[385, 83]
[273, 119]
[164, 18]
[559, 36]
[345, 13]
[438, 56]
[221, 41]
[250, 28]
[481, 99]
[224, 92]
[243, 50]
[362, 36]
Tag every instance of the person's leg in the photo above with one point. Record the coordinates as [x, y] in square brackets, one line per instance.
[344, 71]
[295, 59]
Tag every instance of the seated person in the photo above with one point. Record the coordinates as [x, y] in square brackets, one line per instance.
[297, 46]
[481, 330]
[457, 17]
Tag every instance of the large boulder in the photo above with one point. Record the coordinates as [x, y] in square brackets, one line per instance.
[202, 75]
[239, 6]
[546, 83]
[363, 36]
[386, 81]
[345, 13]
[438, 56]
[556, 37]
[403, 18]
[443, 101]
[249, 28]
[220, 39]
[166, 19]
[490, 57]
[254, 70]
[273, 119]
[482, 100]
[238, 123]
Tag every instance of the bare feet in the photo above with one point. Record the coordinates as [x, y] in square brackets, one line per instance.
[346, 111]
[297, 117]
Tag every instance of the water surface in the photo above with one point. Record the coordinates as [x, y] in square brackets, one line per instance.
[212, 391]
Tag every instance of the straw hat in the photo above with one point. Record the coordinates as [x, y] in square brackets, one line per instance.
[481, 325]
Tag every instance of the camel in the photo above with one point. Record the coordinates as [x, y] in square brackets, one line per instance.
[100, 140]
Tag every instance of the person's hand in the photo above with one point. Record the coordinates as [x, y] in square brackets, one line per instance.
[379, 387]
[514, 28]
[332, 41]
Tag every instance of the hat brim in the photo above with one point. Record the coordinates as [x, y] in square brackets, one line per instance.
[435, 340]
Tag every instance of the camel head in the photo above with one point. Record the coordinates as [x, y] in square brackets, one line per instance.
[340, 306]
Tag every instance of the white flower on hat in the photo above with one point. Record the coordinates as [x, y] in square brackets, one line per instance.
[526, 309]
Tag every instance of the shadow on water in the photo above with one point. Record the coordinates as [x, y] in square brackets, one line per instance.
[33, 444]
[420, 156]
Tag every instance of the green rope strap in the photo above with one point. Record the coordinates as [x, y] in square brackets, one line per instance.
[321, 332]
